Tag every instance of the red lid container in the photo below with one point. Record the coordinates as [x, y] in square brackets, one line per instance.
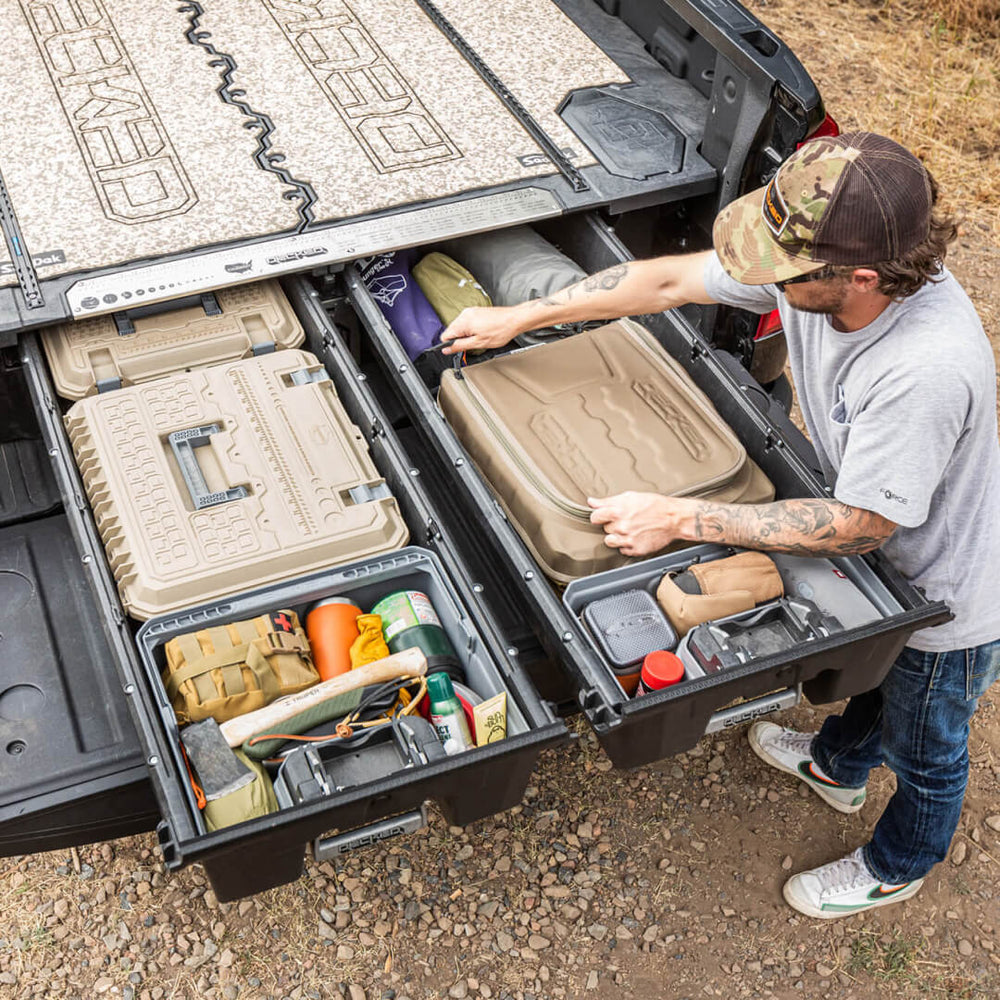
[660, 669]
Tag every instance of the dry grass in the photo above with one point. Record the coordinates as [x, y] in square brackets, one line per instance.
[935, 90]
[979, 17]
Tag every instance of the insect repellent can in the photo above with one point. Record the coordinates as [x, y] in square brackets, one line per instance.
[331, 627]
[447, 715]
[409, 619]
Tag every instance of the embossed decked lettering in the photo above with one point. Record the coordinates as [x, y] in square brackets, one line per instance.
[136, 173]
[674, 418]
[373, 99]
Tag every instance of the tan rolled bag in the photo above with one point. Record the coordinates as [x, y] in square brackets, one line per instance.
[228, 670]
[707, 591]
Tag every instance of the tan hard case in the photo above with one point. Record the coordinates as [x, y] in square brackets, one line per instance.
[590, 416]
[91, 355]
[225, 479]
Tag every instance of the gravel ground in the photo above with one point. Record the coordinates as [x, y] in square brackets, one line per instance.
[662, 881]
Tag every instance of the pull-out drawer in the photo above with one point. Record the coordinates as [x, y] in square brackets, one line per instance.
[269, 850]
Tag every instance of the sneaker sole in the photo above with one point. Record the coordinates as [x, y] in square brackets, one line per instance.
[804, 906]
[842, 807]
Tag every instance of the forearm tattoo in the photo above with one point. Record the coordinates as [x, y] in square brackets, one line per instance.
[603, 281]
[798, 527]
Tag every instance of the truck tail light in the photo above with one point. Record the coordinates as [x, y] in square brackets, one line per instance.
[827, 126]
[768, 326]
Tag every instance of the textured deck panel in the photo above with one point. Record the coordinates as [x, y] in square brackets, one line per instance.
[291, 447]
[114, 143]
[131, 153]
[376, 108]
[83, 353]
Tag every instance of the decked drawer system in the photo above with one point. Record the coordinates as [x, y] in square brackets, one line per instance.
[126, 666]
[264, 139]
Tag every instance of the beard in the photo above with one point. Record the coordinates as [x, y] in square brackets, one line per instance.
[821, 297]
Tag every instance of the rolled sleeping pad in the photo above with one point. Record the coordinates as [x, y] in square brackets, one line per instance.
[449, 287]
[514, 265]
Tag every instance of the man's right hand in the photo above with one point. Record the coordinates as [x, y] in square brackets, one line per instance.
[480, 327]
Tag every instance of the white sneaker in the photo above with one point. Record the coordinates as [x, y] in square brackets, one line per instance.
[843, 887]
[789, 751]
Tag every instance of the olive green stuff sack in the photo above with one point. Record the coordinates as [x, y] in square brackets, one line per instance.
[250, 801]
[448, 286]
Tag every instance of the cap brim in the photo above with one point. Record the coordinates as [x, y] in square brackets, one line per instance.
[748, 251]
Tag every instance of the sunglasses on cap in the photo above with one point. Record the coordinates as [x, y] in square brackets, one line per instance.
[820, 275]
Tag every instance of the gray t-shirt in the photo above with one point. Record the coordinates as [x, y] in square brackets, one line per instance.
[903, 417]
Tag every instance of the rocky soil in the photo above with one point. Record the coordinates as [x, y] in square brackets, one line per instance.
[659, 882]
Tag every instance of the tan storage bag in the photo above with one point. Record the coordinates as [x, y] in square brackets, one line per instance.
[228, 670]
[592, 415]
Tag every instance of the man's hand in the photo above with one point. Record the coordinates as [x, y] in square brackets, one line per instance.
[480, 327]
[637, 524]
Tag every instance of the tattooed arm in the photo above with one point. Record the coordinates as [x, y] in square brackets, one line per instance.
[639, 524]
[627, 289]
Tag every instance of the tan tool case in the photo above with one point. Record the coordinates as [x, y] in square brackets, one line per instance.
[226, 478]
[591, 416]
[110, 352]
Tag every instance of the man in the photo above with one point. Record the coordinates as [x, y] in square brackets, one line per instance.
[896, 381]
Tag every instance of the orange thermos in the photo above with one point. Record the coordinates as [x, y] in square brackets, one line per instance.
[331, 626]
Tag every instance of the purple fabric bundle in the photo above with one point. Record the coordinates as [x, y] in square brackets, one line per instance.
[403, 304]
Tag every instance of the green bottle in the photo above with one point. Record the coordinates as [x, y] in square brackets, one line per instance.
[447, 715]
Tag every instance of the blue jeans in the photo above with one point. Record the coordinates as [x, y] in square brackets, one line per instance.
[917, 724]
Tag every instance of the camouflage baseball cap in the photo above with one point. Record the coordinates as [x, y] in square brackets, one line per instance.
[855, 199]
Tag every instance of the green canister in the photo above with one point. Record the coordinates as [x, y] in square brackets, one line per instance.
[409, 619]
[447, 715]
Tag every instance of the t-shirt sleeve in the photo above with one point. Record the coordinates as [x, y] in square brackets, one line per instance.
[722, 288]
[900, 442]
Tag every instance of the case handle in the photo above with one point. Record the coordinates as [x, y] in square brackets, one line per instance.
[326, 848]
[183, 444]
[747, 711]
[124, 318]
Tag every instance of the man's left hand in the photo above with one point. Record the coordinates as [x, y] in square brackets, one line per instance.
[637, 524]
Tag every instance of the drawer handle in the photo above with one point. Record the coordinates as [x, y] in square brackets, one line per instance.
[747, 711]
[183, 444]
[325, 848]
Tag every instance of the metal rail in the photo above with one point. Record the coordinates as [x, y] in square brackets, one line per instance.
[513, 105]
[21, 260]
